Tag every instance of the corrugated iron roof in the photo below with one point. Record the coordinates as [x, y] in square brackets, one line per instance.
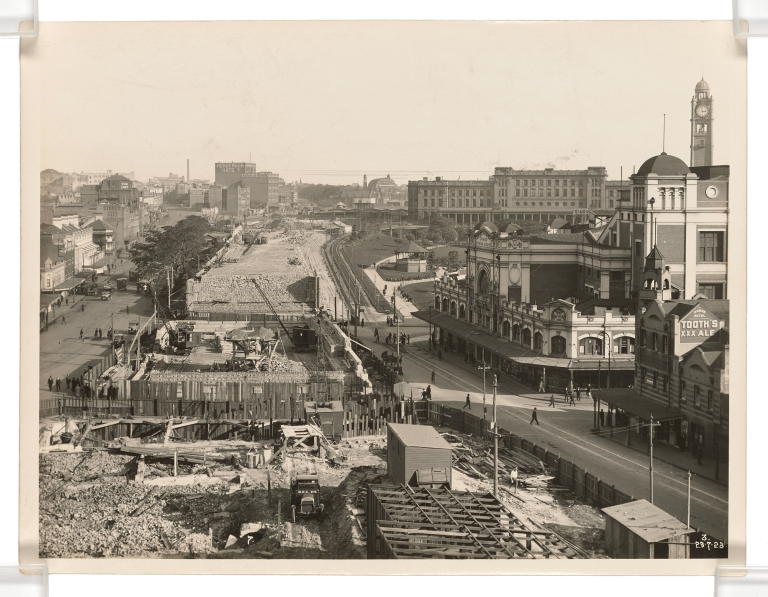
[419, 436]
[647, 521]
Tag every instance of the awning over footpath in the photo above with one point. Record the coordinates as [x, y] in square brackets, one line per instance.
[514, 352]
[627, 399]
[69, 284]
[474, 334]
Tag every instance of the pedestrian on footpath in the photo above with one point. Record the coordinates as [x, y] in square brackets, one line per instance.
[552, 401]
[570, 397]
[58, 384]
[429, 392]
[432, 377]
[534, 416]
[578, 393]
[50, 383]
[81, 334]
[541, 385]
[407, 338]
[467, 403]
[68, 382]
[602, 418]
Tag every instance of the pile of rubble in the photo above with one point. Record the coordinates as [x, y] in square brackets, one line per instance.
[90, 510]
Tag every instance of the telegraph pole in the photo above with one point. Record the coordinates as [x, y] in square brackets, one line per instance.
[650, 468]
[688, 518]
[484, 368]
[650, 451]
[397, 322]
[495, 445]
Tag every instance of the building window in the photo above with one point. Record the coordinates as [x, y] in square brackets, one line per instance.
[709, 400]
[654, 341]
[664, 344]
[712, 290]
[711, 246]
[696, 396]
[557, 345]
[593, 346]
[624, 345]
[538, 341]
[642, 337]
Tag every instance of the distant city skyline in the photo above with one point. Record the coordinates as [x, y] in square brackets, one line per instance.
[448, 99]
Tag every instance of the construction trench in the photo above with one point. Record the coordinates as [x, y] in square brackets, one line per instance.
[199, 458]
[176, 498]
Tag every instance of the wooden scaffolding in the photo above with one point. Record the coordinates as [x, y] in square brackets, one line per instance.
[414, 522]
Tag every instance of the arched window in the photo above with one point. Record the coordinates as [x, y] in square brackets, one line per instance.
[462, 312]
[624, 345]
[526, 339]
[591, 345]
[557, 345]
[538, 341]
[505, 329]
[437, 303]
[482, 282]
[445, 305]
[516, 332]
[453, 309]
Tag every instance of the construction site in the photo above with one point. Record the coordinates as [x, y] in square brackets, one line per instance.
[297, 495]
[257, 427]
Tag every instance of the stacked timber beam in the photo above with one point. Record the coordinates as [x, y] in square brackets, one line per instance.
[407, 522]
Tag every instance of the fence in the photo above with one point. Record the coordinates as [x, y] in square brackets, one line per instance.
[584, 485]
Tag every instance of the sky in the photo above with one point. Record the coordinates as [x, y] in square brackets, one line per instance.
[327, 102]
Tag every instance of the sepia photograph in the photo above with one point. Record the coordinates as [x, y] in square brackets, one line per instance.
[383, 291]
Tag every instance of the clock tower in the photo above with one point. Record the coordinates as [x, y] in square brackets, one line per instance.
[701, 125]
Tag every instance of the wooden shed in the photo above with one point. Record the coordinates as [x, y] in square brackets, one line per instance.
[412, 448]
[640, 529]
[329, 416]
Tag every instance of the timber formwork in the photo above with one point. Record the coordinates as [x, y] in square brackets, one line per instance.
[416, 522]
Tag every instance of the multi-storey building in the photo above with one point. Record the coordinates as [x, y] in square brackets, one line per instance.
[522, 195]
[683, 211]
[465, 202]
[552, 342]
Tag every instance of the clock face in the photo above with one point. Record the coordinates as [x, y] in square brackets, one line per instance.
[711, 192]
[702, 110]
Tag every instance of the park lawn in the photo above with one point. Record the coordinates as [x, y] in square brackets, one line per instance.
[365, 252]
[422, 294]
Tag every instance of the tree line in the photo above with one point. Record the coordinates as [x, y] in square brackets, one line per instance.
[168, 256]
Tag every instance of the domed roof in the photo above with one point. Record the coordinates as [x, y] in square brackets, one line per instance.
[487, 226]
[663, 165]
[702, 85]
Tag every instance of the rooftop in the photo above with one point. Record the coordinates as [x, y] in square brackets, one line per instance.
[647, 521]
[664, 165]
[419, 436]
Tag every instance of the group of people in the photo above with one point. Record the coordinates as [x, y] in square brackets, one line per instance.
[79, 387]
[572, 395]
[426, 393]
[98, 334]
[392, 339]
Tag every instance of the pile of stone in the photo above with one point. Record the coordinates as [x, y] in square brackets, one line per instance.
[84, 516]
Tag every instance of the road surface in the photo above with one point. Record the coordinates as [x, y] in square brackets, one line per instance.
[564, 430]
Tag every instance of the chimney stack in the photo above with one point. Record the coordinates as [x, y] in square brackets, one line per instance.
[187, 170]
